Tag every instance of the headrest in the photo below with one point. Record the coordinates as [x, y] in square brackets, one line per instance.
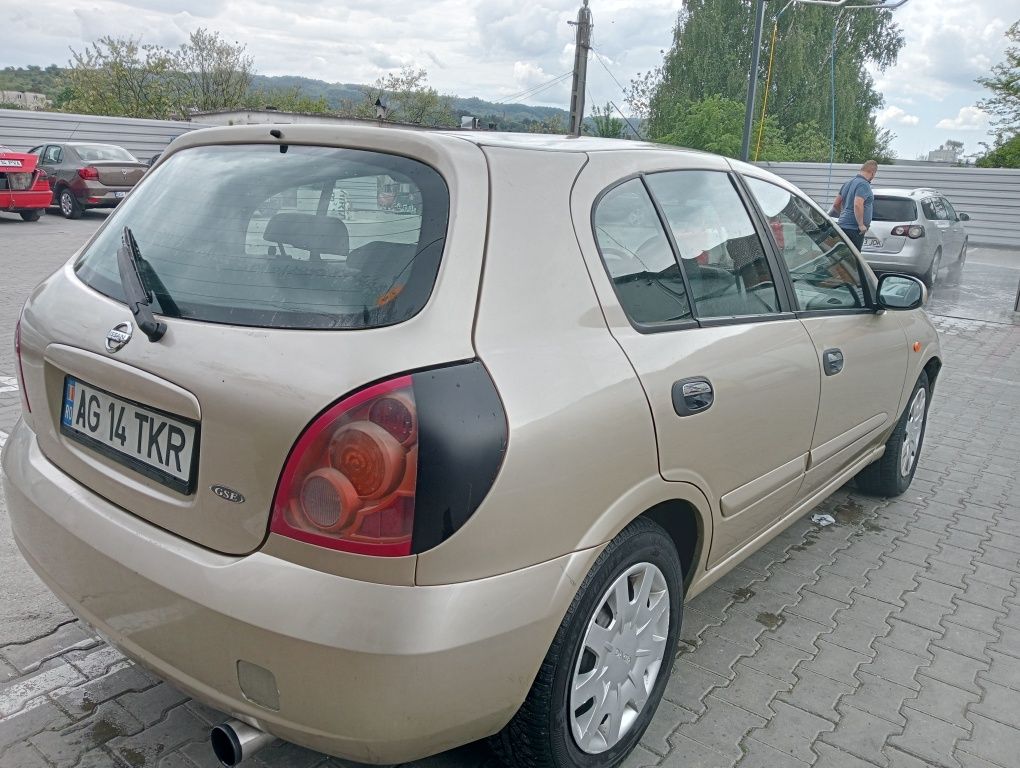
[316, 234]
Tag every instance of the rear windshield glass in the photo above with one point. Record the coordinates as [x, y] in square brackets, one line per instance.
[894, 209]
[313, 237]
[94, 153]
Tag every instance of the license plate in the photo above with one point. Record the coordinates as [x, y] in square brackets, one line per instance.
[873, 242]
[158, 445]
[119, 194]
[10, 163]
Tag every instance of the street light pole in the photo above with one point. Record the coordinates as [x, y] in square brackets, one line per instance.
[752, 81]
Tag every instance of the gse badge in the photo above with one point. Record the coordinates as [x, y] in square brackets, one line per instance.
[227, 494]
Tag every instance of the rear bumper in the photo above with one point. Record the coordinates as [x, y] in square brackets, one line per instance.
[28, 200]
[913, 259]
[364, 671]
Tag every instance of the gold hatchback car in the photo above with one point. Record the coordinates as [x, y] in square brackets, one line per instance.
[383, 441]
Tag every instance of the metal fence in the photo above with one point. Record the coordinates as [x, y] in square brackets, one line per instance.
[22, 130]
[991, 196]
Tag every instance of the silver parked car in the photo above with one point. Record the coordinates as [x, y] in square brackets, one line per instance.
[381, 478]
[916, 231]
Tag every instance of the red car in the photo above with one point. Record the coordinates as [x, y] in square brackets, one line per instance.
[23, 187]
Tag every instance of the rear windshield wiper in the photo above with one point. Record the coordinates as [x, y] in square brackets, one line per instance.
[139, 298]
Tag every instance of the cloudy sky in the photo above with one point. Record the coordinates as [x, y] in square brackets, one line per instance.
[497, 49]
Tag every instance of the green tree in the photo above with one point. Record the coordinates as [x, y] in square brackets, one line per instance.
[123, 77]
[604, 124]
[408, 99]
[287, 100]
[716, 125]
[1004, 83]
[1005, 155]
[711, 52]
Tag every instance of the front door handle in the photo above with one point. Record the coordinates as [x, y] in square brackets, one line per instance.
[832, 361]
[692, 396]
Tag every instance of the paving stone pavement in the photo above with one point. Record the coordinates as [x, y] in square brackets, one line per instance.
[890, 638]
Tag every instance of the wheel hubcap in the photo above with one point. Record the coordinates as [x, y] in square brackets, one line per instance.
[65, 204]
[912, 439]
[620, 659]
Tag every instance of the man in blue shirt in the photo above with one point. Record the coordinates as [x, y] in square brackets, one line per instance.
[854, 204]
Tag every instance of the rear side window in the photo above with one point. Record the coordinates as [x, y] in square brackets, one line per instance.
[638, 258]
[313, 237]
[894, 209]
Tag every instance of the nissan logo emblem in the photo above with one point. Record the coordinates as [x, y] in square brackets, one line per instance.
[118, 336]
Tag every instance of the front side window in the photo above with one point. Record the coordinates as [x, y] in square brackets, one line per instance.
[53, 154]
[315, 237]
[825, 273]
[638, 258]
[720, 250]
[950, 211]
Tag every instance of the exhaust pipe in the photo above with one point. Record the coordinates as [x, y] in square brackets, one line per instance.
[234, 741]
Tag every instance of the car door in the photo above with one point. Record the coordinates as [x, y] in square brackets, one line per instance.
[729, 372]
[862, 353]
[955, 234]
[52, 156]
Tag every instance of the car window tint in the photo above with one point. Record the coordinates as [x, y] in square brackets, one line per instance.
[719, 249]
[316, 237]
[894, 209]
[638, 257]
[824, 271]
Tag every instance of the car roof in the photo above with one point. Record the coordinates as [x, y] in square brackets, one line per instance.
[904, 192]
[337, 135]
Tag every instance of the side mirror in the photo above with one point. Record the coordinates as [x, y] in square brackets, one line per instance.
[964, 217]
[901, 292]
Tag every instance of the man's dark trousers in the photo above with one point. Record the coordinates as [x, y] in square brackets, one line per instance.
[856, 237]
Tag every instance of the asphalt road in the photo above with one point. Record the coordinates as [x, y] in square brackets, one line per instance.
[891, 638]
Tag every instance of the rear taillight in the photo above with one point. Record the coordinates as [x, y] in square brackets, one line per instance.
[396, 468]
[21, 372]
[88, 172]
[350, 481]
[913, 231]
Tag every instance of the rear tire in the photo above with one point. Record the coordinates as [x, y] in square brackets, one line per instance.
[69, 205]
[891, 475]
[31, 215]
[608, 665]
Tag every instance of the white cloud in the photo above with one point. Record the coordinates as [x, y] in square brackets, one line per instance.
[896, 116]
[968, 119]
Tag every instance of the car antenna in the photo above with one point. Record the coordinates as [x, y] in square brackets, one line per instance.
[276, 133]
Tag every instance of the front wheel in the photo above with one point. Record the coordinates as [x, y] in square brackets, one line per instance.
[956, 270]
[932, 275]
[891, 475]
[31, 215]
[607, 667]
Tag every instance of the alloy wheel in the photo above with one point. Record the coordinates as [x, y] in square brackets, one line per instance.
[912, 437]
[66, 203]
[620, 659]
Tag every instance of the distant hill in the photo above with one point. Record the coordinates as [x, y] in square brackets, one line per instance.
[510, 117]
[336, 94]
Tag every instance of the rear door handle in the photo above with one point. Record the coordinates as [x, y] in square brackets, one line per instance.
[832, 361]
[692, 395]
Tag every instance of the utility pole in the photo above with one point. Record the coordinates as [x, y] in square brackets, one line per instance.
[582, 44]
[752, 83]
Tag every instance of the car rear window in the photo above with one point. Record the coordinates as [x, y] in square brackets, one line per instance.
[93, 153]
[894, 209]
[309, 237]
